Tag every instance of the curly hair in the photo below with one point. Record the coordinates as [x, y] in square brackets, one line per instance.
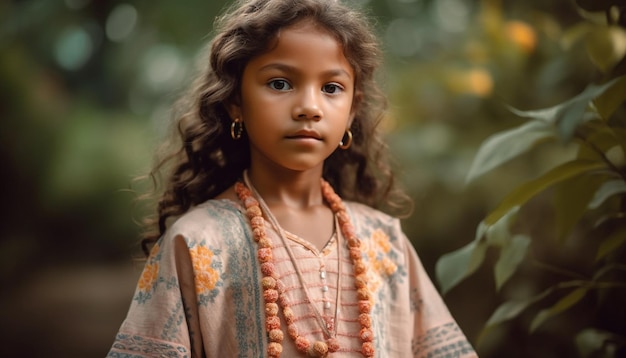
[206, 161]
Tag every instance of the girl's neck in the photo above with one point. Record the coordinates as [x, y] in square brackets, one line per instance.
[297, 190]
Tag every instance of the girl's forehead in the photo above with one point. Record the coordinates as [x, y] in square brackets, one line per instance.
[306, 26]
[308, 44]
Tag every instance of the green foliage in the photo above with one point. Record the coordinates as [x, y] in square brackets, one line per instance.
[589, 191]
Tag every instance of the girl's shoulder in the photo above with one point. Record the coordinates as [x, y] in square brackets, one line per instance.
[361, 213]
[212, 220]
[369, 221]
[213, 210]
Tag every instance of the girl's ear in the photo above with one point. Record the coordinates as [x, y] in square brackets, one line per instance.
[356, 102]
[234, 111]
[355, 107]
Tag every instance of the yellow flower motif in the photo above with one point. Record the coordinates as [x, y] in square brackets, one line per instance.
[150, 271]
[388, 266]
[148, 277]
[206, 277]
[381, 240]
[377, 252]
[373, 281]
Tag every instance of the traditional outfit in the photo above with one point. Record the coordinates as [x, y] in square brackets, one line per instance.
[200, 294]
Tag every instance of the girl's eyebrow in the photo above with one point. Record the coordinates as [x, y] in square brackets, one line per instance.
[291, 69]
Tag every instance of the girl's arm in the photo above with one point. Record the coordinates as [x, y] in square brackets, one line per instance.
[162, 319]
[436, 333]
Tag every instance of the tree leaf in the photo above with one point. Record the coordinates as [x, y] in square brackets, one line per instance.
[571, 116]
[607, 103]
[499, 234]
[455, 266]
[616, 239]
[508, 310]
[504, 146]
[511, 256]
[555, 114]
[567, 116]
[520, 195]
[608, 218]
[591, 341]
[571, 208]
[598, 137]
[563, 304]
[547, 115]
[511, 309]
[605, 191]
[574, 111]
[606, 46]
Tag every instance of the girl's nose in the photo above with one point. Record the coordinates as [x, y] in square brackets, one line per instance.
[308, 105]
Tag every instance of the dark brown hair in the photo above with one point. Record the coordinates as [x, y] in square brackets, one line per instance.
[207, 161]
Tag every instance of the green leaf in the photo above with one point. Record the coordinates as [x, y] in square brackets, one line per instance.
[571, 116]
[504, 146]
[607, 103]
[524, 192]
[612, 242]
[508, 310]
[567, 116]
[563, 304]
[499, 234]
[608, 218]
[616, 156]
[571, 208]
[573, 112]
[511, 256]
[606, 190]
[455, 266]
[598, 137]
[592, 341]
[511, 309]
[606, 46]
[547, 115]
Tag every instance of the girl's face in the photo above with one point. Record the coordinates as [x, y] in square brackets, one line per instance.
[296, 100]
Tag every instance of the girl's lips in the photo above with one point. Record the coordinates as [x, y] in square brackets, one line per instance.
[305, 134]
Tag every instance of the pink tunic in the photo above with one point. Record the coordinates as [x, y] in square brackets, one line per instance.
[200, 293]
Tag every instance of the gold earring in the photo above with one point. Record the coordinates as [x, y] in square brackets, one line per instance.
[345, 145]
[236, 129]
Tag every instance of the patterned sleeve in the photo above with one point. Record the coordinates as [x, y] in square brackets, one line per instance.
[161, 319]
[436, 333]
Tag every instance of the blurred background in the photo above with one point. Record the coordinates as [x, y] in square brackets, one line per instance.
[86, 88]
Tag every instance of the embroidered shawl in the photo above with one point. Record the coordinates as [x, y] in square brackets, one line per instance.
[199, 294]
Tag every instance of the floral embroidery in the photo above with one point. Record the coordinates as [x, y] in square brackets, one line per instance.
[206, 275]
[149, 276]
[381, 240]
[379, 253]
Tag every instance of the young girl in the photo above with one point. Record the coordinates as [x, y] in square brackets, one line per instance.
[267, 242]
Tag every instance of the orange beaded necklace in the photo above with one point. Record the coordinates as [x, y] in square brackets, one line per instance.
[273, 289]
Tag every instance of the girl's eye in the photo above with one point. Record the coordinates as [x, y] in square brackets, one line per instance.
[279, 85]
[332, 88]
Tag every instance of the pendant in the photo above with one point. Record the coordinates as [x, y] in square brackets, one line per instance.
[330, 324]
